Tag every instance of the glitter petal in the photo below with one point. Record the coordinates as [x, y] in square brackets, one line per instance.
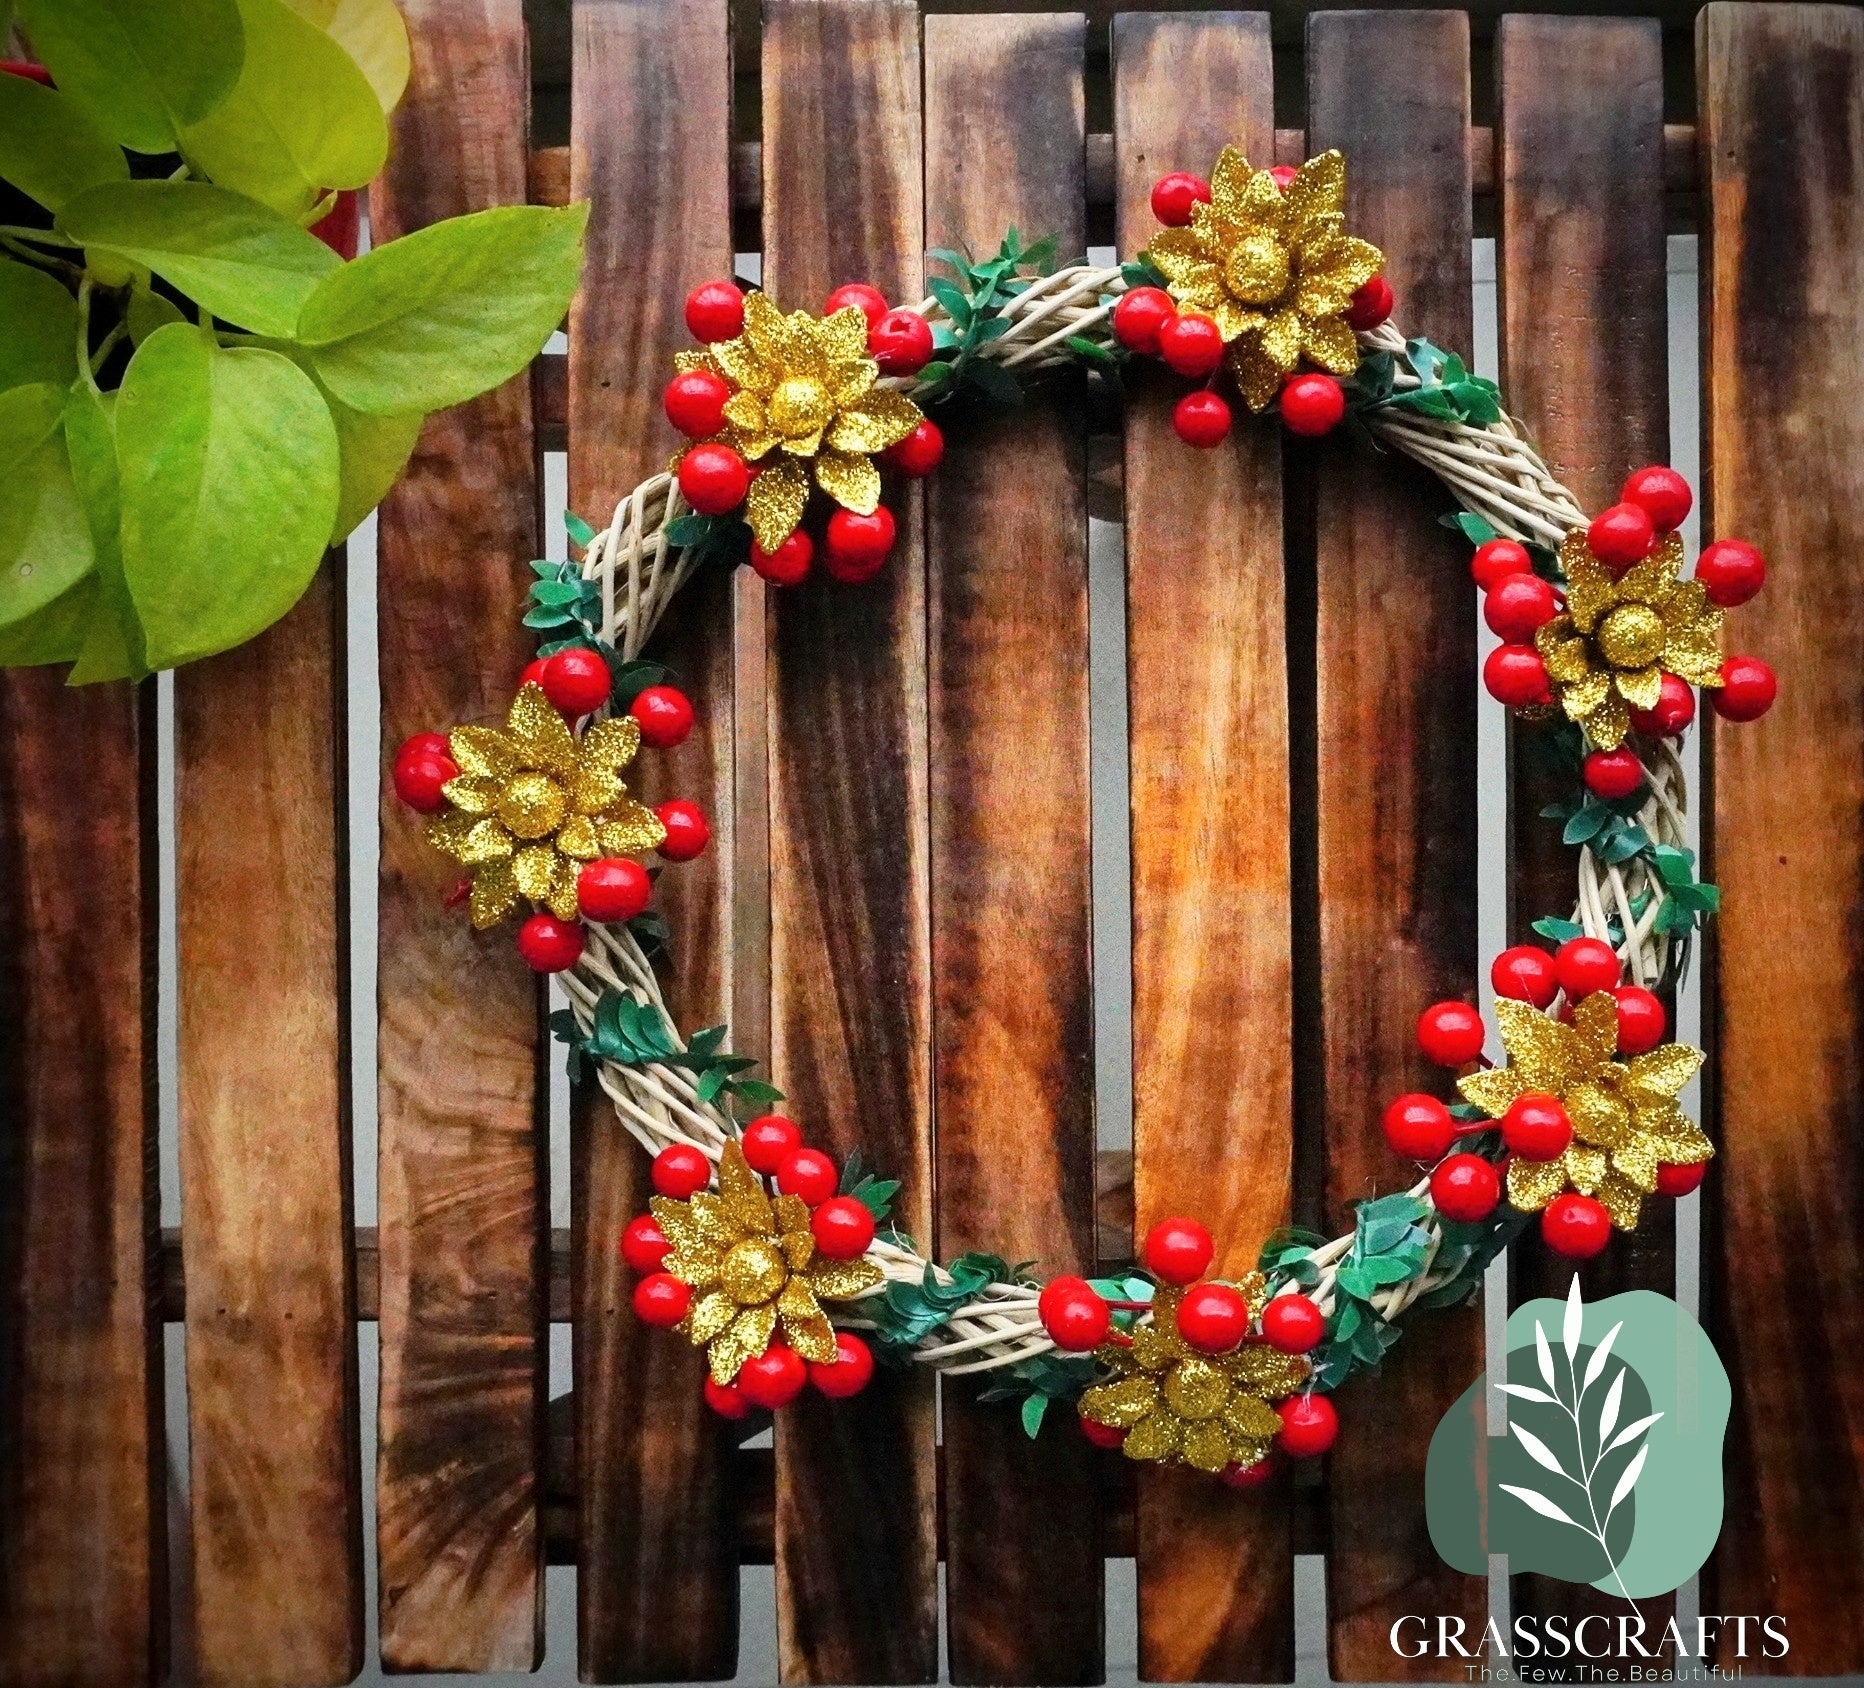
[534, 867]
[1665, 1069]
[1120, 1405]
[485, 751]
[542, 735]
[1159, 1435]
[843, 1280]
[1318, 191]
[1492, 1090]
[1258, 376]
[1267, 1371]
[631, 829]
[1207, 1446]
[1251, 1419]
[774, 506]
[851, 480]
[1532, 1184]
[844, 334]
[874, 422]
[494, 894]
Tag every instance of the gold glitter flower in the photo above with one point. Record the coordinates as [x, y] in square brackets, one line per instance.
[533, 802]
[1182, 1407]
[1626, 1122]
[752, 1264]
[1608, 653]
[1276, 271]
[805, 390]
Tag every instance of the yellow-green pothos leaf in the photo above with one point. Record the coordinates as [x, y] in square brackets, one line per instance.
[372, 33]
[49, 147]
[147, 311]
[229, 485]
[45, 541]
[374, 450]
[40, 340]
[112, 645]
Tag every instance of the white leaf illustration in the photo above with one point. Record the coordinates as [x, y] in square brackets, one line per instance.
[1597, 1363]
[1538, 1450]
[1569, 1328]
[1541, 1504]
[1628, 1481]
[1545, 1355]
[1632, 1431]
[1608, 1414]
[1522, 1392]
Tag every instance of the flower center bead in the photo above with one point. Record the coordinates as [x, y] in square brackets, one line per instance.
[1631, 636]
[532, 805]
[1257, 271]
[754, 1271]
[799, 407]
[1195, 1389]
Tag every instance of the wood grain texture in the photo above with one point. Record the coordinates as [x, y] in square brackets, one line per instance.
[1395, 796]
[850, 968]
[274, 1441]
[1783, 452]
[1208, 725]
[83, 1562]
[462, 1201]
[1013, 1024]
[657, 1593]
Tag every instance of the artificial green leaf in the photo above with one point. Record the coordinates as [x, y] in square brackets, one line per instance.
[1034, 1406]
[149, 310]
[142, 69]
[41, 317]
[239, 260]
[372, 33]
[49, 147]
[229, 462]
[45, 542]
[113, 642]
[302, 117]
[445, 313]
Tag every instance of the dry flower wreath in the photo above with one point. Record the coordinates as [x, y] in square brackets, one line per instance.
[783, 1265]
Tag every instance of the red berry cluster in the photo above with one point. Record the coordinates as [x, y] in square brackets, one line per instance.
[714, 478]
[841, 1225]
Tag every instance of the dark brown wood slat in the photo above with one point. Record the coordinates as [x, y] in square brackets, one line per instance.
[1783, 441]
[850, 970]
[1007, 535]
[461, 1175]
[1396, 796]
[657, 1597]
[83, 1560]
[1212, 983]
[273, 1429]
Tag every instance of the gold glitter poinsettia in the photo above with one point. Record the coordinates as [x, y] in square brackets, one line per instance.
[1608, 653]
[1626, 1121]
[1275, 270]
[805, 391]
[752, 1264]
[1178, 1406]
[533, 802]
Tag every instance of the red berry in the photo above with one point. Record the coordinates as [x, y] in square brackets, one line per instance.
[919, 453]
[1309, 1425]
[1450, 1033]
[857, 545]
[1575, 1226]
[1312, 405]
[548, 944]
[1661, 493]
[715, 311]
[1190, 344]
[1174, 195]
[680, 1170]
[1418, 1127]
[1213, 1318]
[1246, 1476]
[612, 889]
[1524, 972]
[1201, 419]
[1496, 559]
[1283, 175]
[665, 714]
[900, 342]
[688, 831]
[1074, 1313]
[713, 479]
[809, 1175]
[1178, 1251]
[644, 1245]
[695, 403]
[1370, 306]
[1731, 572]
[1518, 606]
[533, 672]
[661, 1299]
[1674, 1180]
[1101, 1435]
[424, 744]
[843, 1227]
[788, 565]
[1621, 536]
[1641, 1019]
[870, 301]
[849, 1372]
[576, 680]
[773, 1378]
[419, 779]
[1613, 773]
[1585, 965]
[1465, 1188]
[1514, 675]
[1747, 691]
[725, 1399]
[1676, 708]
[1139, 316]
[769, 1140]
[1536, 1127]
[1293, 1324]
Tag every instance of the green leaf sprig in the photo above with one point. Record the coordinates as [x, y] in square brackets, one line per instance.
[974, 302]
[633, 1033]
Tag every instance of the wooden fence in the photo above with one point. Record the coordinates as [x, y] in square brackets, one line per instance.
[899, 776]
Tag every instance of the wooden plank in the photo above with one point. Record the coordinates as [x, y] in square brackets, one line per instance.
[461, 1178]
[850, 972]
[273, 1435]
[657, 1594]
[1783, 441]
[1396, 795]
[1005, 119]
[1212, 981]
[83, 1571]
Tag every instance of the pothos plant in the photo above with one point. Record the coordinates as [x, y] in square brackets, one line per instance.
[201, 388]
